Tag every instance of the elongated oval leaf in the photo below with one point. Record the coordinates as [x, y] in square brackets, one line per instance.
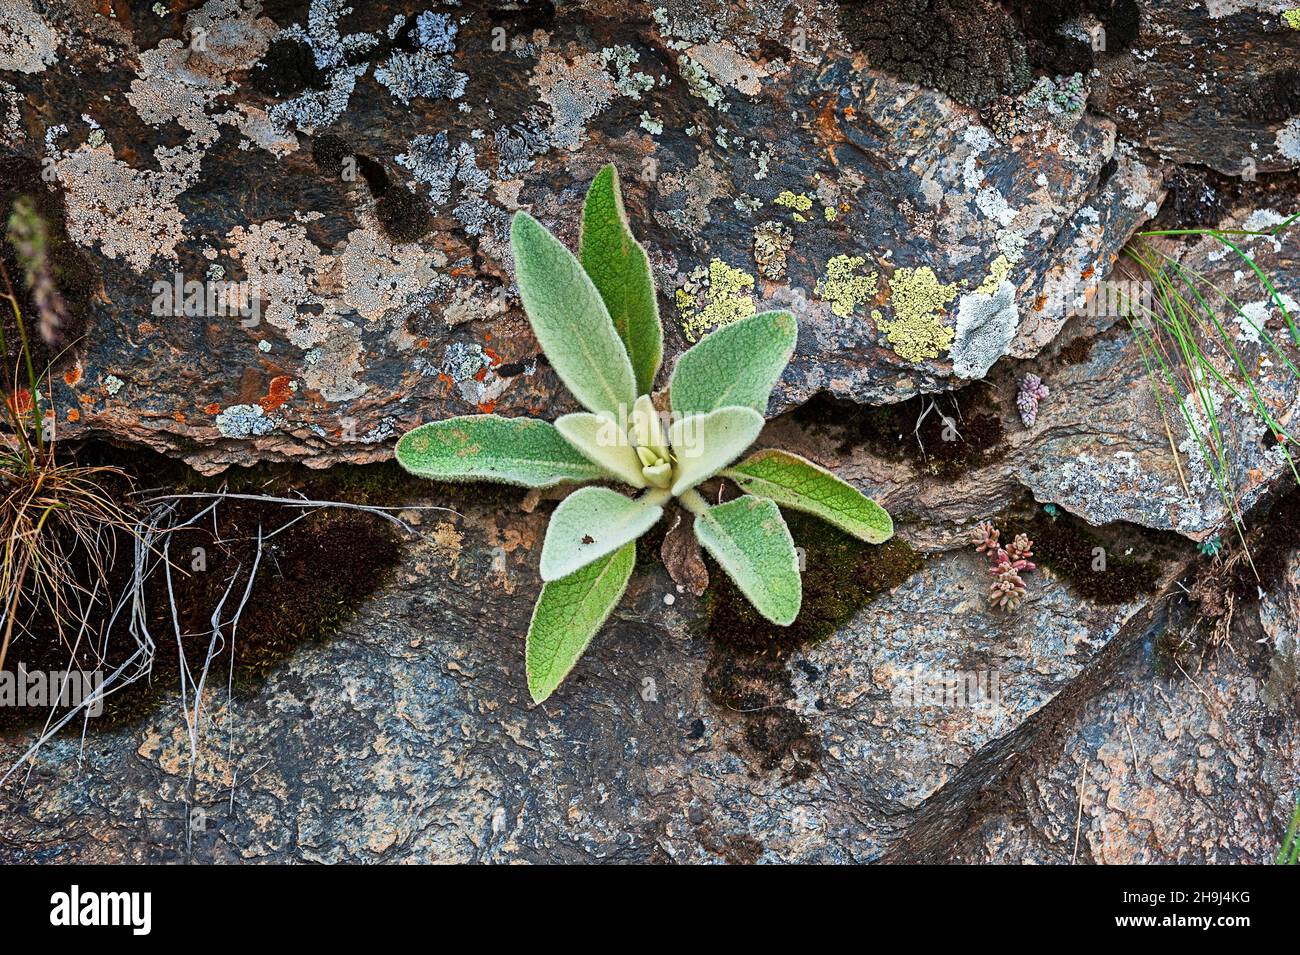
[568, 614]
[620, 270]
[590, 523]
[749, 539]
[570, 319]
[706, 443]
[796, 482]
[492, 448]
[600, 439]
[739, 364]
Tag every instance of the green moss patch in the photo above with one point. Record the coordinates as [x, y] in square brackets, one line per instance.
[747, 670]
[312, 578]
[1134, 557]
[962, 430]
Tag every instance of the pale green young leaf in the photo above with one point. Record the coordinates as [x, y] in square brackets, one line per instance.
[590, 523]
[492, 448]
[749, 539]
[568, 614]
[570, 320]
[704, 444]
[739, 364]
[796, 482]
[620, 270]
[600, 439]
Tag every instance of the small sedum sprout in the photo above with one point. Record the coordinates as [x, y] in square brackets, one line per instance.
[596, 318]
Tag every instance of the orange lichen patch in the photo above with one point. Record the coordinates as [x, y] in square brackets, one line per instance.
[422, 343]
[487, 407]
[480, 374]
[827, 126]
[212, 408]
[447, 380]
[87, 400]
[145, 328]
[1040, 303]
[1087, 273]
[493, 356]
[276, 394]
[21, 401]
[72, 375]
[73, 415]
[179, 415]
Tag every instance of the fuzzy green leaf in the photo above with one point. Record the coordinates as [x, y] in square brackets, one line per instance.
[706, 443]
[590, 523]
[570, 319]
[796, 482]
[620, 270]
[739, 364]
[568, 614]
[749, 539]
[492, 448]
[600, 439]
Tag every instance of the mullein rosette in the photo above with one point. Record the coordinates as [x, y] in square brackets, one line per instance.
[596, 318]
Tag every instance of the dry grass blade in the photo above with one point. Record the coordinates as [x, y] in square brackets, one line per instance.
[60, 529]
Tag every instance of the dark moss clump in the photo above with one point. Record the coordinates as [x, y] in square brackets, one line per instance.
[979, 50]
[747, 670]
[311, 579]
[288, 68]
[1195, 200]
[328, 152]
[649, 544]
[402, 214]
[1168, 651]
[1275, 539]
[525, 17]
[957, 430]
[842, 574]
[1069, 546]
[1274, 98]
[973, 50]
[1076, 351]
[312, 576]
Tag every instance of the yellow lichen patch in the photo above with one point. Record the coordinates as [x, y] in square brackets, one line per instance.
[998, 271]
[1292, 18]
[713, 297]
[918, 299]
[797, 202]
[843, 286]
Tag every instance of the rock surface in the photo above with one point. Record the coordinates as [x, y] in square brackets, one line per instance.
[358, 168]
[409, 737]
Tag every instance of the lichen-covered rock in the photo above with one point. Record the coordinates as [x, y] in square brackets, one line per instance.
[1215, 84]
[288, 230]
[328, 192]
[409, 736]
[1178, 760]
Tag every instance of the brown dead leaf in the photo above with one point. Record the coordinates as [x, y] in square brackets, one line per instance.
[681, 554]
